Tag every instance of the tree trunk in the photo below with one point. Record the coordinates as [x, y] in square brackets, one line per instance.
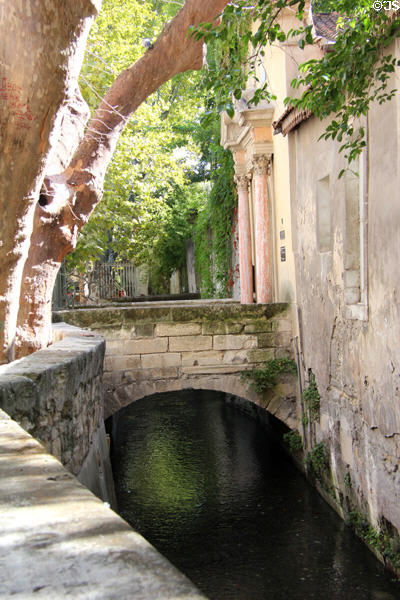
[70, 197]
[41, 50]
[40, 272]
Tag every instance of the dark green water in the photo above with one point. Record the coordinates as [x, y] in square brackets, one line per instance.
[204, 484]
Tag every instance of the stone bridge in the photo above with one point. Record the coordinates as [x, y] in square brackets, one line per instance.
[56, 394]
[165, 346]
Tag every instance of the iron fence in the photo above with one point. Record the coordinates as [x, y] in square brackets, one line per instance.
[103, 281]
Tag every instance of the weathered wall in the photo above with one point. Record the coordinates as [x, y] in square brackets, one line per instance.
[350, 316]
[56, 395]
[203, 345]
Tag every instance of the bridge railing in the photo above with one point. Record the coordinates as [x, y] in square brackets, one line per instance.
[99, 282]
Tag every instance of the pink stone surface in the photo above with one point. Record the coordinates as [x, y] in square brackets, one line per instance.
[246, 270]
[262, 235]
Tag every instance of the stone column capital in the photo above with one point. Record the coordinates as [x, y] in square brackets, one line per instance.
[242, 182]
[262, 164]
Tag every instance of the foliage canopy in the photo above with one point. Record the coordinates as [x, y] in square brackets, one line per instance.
[342, 84]
[157, 193]
[150, 171]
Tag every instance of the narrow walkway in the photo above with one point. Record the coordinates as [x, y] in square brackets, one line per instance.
[57, 539]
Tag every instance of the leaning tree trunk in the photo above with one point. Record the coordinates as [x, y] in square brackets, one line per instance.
[41, 50]
[72, 195]
[40, 271]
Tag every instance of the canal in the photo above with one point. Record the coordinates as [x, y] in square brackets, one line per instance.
[209, 488]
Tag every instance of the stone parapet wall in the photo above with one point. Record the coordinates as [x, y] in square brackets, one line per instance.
[171, 346]
[59, 541]
[56, 394]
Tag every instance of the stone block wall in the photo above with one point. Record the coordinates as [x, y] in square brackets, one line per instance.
[164, 347]
[56, 394]
[196, 347]
[59, 541]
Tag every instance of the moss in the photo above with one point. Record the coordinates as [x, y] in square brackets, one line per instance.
[144, 330]
[147, 315]
[217, 328]
[266, 340]
[270, 310]
[183, 313]
[258, 326]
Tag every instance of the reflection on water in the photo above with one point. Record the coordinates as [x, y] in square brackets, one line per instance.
[204, 484]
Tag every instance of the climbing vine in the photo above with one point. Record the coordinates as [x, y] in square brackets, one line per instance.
[293, 440]
[215, 224]
[342, 84]
[316, 461]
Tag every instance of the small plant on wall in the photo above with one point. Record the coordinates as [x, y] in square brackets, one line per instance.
[293, 441]
[386, 543]
[312, 398]
[317, 461]
[266, 377]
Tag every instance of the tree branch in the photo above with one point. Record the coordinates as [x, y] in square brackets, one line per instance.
[175, 51]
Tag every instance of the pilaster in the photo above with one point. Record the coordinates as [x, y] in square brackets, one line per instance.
[264, 285]
[245, 262]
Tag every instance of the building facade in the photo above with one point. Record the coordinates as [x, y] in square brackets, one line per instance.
[329, 247]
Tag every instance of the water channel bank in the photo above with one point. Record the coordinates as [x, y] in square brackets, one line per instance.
[209, 488]
[57, 539]
[57, 395]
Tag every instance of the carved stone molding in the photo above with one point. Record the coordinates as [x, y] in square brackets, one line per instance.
[242, 182]
[262, 164]
[248, 134]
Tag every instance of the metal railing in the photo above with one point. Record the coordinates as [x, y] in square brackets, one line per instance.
[116, 280]
[103, 281]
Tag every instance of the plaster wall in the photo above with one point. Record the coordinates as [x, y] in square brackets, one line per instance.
[281, 62]
[275, 62]
[279, 67]
[353, 349]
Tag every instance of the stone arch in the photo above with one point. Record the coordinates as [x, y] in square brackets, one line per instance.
[280, 402]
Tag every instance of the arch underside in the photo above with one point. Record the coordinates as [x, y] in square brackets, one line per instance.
[280, 402]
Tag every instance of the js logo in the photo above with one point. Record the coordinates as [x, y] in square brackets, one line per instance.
[386, 5]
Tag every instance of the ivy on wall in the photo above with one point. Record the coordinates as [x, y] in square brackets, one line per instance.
[215, 225]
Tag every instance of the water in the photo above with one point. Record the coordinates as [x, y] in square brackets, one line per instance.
[208, 488]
